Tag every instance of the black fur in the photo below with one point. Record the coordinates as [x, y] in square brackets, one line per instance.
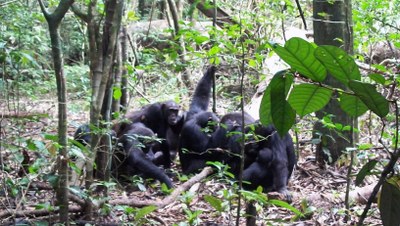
[82, 135]
[134, 144]
[198, 135]
[198, 138]
[202, 93]
[274, 161]
[160, 117]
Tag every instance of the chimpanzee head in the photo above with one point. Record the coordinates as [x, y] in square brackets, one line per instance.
[207, 120]
[171, 112]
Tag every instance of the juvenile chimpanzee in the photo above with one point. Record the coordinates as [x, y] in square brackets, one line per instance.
[159, 117]
[229, 136]
[134, 143]
[274, 161]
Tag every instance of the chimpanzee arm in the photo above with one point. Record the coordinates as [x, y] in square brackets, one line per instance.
[138, 159]
[254, 175]
[202, 93]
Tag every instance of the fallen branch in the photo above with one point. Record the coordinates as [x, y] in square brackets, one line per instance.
[35, 213]
[170, 198]
[131, 202]
[28, 115]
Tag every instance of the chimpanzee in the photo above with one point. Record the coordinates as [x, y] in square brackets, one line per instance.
[202, 93]
[268, 158]
[82, 135]
[198, 135]
[159, 117]
[198, 138]
[274, 162]
[134, 143]
[229, 136]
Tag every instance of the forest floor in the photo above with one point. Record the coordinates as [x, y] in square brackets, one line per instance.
[316, 190]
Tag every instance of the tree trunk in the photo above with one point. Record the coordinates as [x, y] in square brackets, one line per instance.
[117, 78]
[101, 54]
[54, 21]
[110, 36]
[330, 29]
[124, 78]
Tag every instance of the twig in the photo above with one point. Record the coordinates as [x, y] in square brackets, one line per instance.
[6, 3]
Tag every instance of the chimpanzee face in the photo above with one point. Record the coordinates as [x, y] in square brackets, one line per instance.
[171, 112]
[173, 115]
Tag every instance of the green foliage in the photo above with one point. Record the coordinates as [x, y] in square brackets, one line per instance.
[214, 202]
[23, 54]
[263, 199]
[142, 212]
[371, 98]
[139, 214]
[78, 81]
[282, 113]
[389, 202]
[365, 171]
[313, 62]
[352, 105]
[307, 98]
[375, 21]
[299, 54]
[338, 63]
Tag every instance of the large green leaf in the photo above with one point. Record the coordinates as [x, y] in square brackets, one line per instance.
[283, 115]
[307, 98]
[299, 54]
[265, 106]
[368, 94]
[339, 64]
[352, 105]
[389, 204]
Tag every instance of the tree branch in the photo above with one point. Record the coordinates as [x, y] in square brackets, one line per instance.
[169, 199]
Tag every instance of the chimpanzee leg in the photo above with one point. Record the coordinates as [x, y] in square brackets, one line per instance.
[280, 179]
[138, 159]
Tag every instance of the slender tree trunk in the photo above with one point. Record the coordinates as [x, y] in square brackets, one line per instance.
[124, 78]
[54, 21]
[330, 29]
[62, 191]
[117, 78]
[110, 36]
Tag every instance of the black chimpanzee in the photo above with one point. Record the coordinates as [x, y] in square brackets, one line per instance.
[198, 135]
[198, 138]
[160, 117]
[229, 135]
[82, 135]
[202, 94]
[135, 142]
[268, 159]
[274, 161]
